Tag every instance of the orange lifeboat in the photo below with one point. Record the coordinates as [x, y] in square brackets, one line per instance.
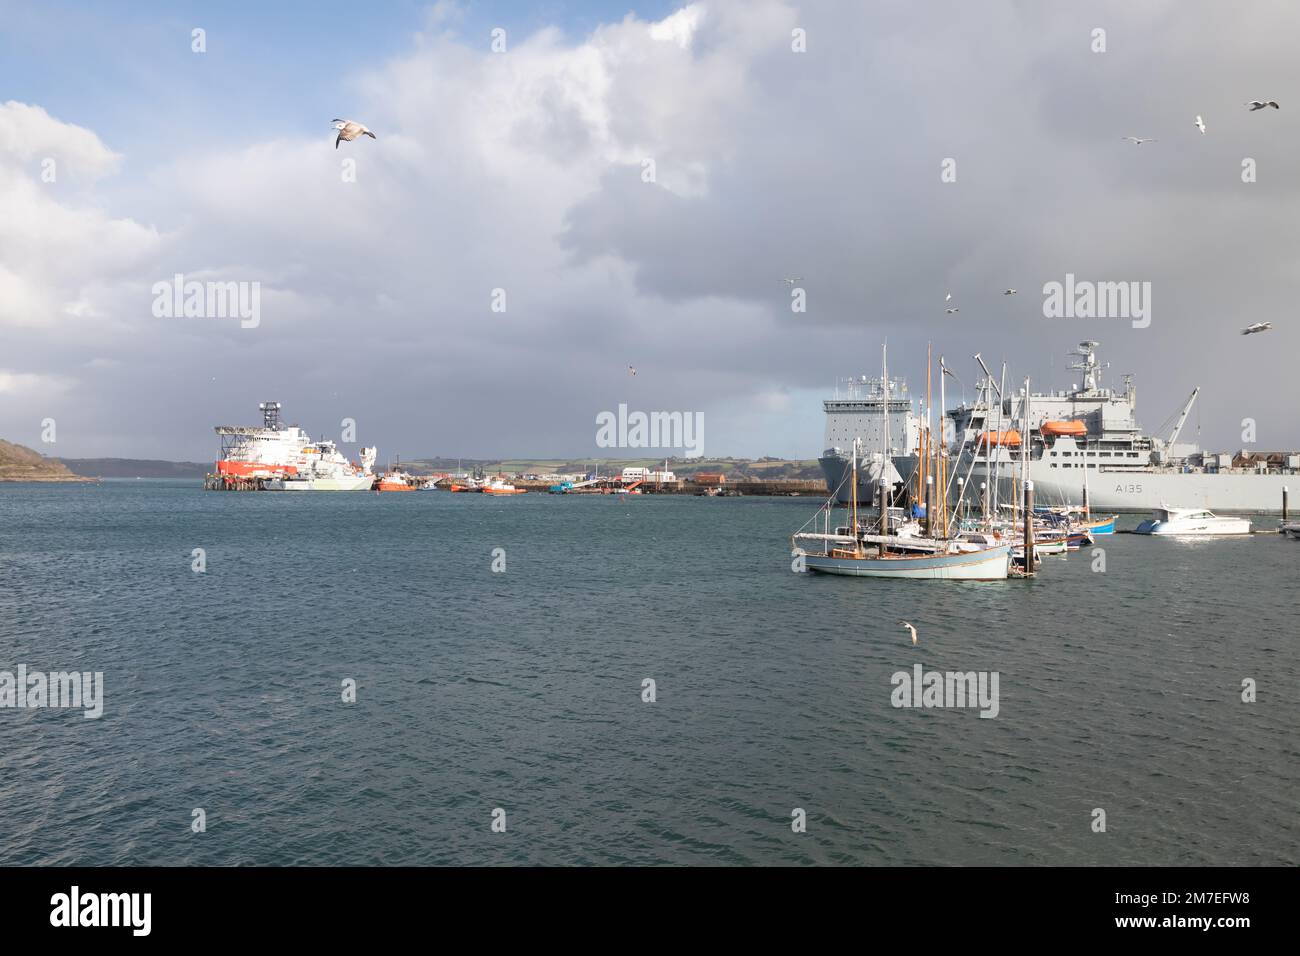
[1010, 438]
[1072, 429]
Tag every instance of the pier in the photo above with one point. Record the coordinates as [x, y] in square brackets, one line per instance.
[213, 482]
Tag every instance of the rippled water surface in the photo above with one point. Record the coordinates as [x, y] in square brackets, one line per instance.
[522, 690]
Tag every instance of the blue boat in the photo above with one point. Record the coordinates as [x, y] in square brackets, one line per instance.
[1101, 525]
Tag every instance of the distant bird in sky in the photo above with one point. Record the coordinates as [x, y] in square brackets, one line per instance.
[1257, 327]
[792, 279]
[1200, 124]
[1009, 292]
[948, 297]
[1260, 104]
[631, 370]
[349, 130]
[908, 625]
[1138, 141]
[951, 311]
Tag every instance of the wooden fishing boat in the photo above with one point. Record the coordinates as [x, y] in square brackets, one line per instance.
[894, 552]
[986, 564]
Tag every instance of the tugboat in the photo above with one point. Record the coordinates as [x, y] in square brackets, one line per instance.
[394, 479]
[499, 486]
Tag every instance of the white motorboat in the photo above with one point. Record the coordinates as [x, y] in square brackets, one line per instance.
[1191, 522]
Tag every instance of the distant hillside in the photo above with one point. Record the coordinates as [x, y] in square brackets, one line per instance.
[137, 468]
[19, 463]
[769, 468]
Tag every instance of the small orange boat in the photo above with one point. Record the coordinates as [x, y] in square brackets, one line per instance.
[498, 486]
[395, 481]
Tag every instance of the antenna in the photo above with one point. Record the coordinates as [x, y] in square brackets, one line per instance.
[270, 415]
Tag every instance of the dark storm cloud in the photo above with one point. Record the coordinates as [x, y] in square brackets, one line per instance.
[523, 171]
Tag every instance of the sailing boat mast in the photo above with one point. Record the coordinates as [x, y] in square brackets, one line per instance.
[928, 476]
[853, 518]
[942, 453]
[887, 463]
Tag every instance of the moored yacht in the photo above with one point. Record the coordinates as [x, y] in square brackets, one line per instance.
[1191, 521]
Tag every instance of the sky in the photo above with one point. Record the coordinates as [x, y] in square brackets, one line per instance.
[787, 140]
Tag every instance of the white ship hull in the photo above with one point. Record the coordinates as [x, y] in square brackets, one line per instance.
[836, 469]
[358, 483]
[1145, 491]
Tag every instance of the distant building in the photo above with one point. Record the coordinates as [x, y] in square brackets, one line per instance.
[649, 475]
[709, 478]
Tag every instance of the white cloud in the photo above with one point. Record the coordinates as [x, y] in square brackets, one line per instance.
[28, 135]
[59, 252]
[31, 385]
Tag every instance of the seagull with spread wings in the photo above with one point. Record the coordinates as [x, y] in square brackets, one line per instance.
[349, 130]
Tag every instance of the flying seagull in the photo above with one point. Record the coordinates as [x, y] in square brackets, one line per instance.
[1260, 104]
[951, 311]
[792, 279]
[1257, 327]
[908, 625]
[1138, 141]
[1009, 292]
[631, 369]
[1200, 124]
[948, 297]
[349, 130]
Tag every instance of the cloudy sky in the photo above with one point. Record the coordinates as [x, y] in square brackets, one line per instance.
[524, 170]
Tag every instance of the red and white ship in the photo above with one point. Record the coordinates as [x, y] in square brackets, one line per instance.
[289, 458]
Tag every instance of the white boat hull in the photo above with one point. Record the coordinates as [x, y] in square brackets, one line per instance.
[1190, 529]
[991, 564]
[358, 483]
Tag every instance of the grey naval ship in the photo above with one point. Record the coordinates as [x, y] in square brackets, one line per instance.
[1088, 433]
[858, 411]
